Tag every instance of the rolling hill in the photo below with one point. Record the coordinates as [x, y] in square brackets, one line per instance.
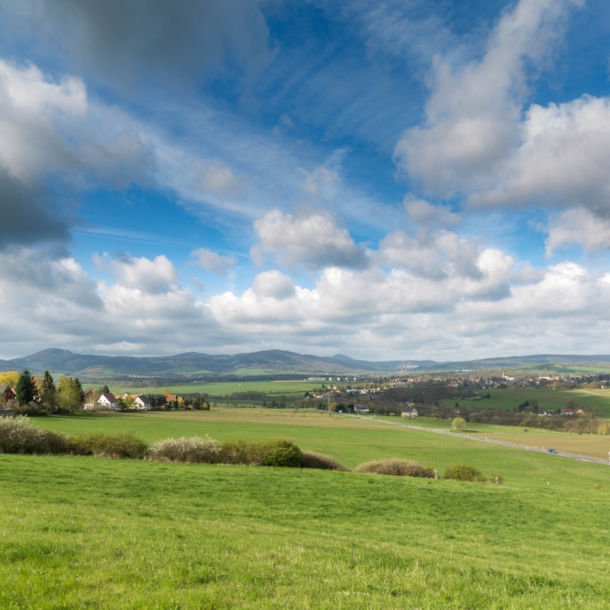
[269, 362]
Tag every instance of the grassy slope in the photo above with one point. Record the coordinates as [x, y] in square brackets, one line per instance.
[90, 532]
[548, 399]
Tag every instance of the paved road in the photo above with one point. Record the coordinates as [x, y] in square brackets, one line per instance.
[573, 456]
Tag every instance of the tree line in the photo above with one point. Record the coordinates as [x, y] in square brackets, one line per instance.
[33, 392]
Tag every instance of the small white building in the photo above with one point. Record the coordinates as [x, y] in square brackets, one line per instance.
[108, 400]
[142, 403]
[410, 412]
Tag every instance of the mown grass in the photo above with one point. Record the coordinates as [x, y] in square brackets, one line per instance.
[82, 532]
[90, 532]
[348, 439]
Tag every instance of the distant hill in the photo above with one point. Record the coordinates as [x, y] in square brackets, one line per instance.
[194, 363]
[269, 362]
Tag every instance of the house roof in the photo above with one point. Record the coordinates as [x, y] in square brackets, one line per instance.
[143, 398]
[171, 397]
[109, 397]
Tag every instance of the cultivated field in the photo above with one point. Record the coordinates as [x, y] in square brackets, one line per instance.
[547, 399]
[78, 532]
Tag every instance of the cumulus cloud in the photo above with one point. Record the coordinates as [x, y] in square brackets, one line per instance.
[273, 284]
[577, 226]
[473, 114]
[50, 132]
[561, 158]
[425, 213]
[48, 300]
[431, 254]
[142, 274]
[159, 39]
[313, 240]
[212, 261]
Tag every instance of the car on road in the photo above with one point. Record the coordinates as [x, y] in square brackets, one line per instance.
[552, 451]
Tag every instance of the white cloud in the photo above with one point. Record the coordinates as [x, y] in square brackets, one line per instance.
[273, 284]
[212, 261]
[431, 254]
[561, 159]
[220, 179]
[142, 274]
[45, 300]
[473, 114]
[577, 226]
[312, 240]
[424, 212]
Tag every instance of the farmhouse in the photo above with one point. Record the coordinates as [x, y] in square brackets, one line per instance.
[8, 394]
[410, 412]
[169, 398]
[108, 400]
[142, 403]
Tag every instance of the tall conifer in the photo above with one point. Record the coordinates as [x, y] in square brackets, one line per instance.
[26, 388]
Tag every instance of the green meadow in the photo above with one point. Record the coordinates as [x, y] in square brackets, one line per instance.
[222, 388]
[83, 532]
[547, 398]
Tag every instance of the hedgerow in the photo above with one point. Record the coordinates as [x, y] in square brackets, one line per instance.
[17, 435]
[397, 467]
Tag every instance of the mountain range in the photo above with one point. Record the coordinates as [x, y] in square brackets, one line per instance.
[270, 362]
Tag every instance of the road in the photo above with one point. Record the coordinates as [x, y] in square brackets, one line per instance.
[573, 456]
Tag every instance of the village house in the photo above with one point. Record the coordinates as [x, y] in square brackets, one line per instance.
[9, 394]
[142, 403]
[108, 400]
[361, 409]
[410, 412]
[169, 398]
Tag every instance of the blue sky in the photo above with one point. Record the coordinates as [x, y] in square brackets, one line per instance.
[398, 179]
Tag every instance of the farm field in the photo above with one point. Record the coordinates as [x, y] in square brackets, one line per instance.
[275, 388]
[78, 532]
[547, 399]
[583, 444]
[351, 439]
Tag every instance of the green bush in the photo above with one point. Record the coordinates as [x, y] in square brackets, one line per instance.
[279, 453]
[108, 445]
[30, 411]
[17, 435]
[272, 453]
[397, 467]
[194, 449]
[311, 459]
[237, 452]
[464, 472]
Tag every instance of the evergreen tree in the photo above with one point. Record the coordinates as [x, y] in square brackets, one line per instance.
[81, 392]
[26, 388]
[104, 389]
[48, 394]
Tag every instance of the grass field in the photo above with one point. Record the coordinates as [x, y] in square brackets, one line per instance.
[273, 388]
[95, 533]
[548, 399]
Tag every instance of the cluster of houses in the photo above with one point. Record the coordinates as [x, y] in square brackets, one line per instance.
[141, 402]
[109, 401]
